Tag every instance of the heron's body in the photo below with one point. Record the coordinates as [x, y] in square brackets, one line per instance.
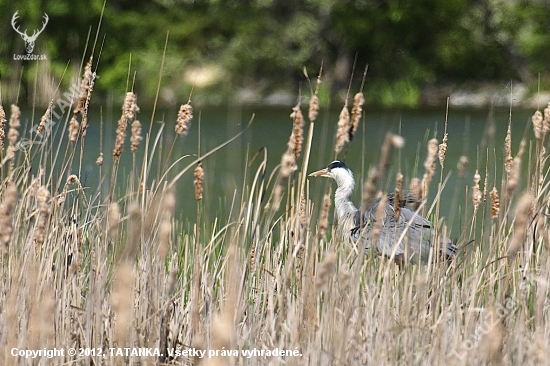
[409, 237]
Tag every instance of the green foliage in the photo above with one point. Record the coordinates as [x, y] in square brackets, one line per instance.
[262, 45]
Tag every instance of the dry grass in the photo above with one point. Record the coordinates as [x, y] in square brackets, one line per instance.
[119, 269]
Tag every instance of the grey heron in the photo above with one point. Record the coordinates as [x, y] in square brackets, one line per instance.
[408, 237]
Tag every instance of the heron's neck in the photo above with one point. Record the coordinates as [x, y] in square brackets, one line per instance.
[345, 209]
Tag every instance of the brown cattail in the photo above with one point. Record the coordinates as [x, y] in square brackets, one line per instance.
[342, 132]
[136, 135]
[508, 150]
[379, 220]
[538, 125]
[514, 173]
[199, 177]
[414, 187]
[2, 127]
[476, 192]
[495, 203]
[87, 77]
[356, 111]
[113, 217]
[15, 123]
[443, 150]
[129, 110]
[323, 217]
[520, 225]
[122, 302]
[185, 115]
[45, 118]
[6, 211]
[73, 129]
[326, 269]
[461, 166]
[99, 160]
[43, 201]
[546, 121]
[298, 130]
[313, 108]
[429, 165]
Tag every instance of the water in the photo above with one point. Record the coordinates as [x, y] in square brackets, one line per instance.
[472, 133]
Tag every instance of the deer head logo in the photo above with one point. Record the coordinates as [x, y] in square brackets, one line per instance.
[29, 40]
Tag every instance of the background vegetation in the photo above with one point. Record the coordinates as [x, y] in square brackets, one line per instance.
[258, 47]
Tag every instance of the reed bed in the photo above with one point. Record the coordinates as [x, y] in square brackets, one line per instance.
[124, 279]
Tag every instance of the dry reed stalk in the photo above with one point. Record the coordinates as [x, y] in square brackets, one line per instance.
[6, 210]
[165, 226]
[485, 183]
[429, 166]
[476, 192]
[302, 212]
[2, 127]
[356, 112]
[342, 132]
[129, 110]
[295, 144]
[398, 196]
[323, 217]
[183, 122]
[73, 129]
[519, 233]
[122, 302]
[113, 219]
[494, 342]
[495, 203]
[379, 218]
[136, 135]
[461, 166]
[43, 203]
[199, 178]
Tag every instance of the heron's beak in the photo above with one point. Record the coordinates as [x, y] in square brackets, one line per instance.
[320, 173]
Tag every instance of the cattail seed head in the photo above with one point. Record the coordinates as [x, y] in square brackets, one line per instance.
[2, 127]
[136, 135]
[43, 203]
[99, 160]
[113, 217]
[298, 130]
[6, 210]
[520, 225]
[546, 121]
[461, 166]
[414, 187]
[84, 87]
[429, 165]
[129, 109]
[323, 217]
[199, 177]
[476, 192]
[313, 108]
[342, 132]
[15, 123]
[326, 269]
[538, 125]
[443, 150]
[185, 115]
[73, 129]
[508, 150]
[495, 203]
[398, 196]
[356, 111]
[45, 118]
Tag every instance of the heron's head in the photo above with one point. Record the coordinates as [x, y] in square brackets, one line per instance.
[337, 171]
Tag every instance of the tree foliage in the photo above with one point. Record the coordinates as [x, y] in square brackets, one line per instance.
[262, 45]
